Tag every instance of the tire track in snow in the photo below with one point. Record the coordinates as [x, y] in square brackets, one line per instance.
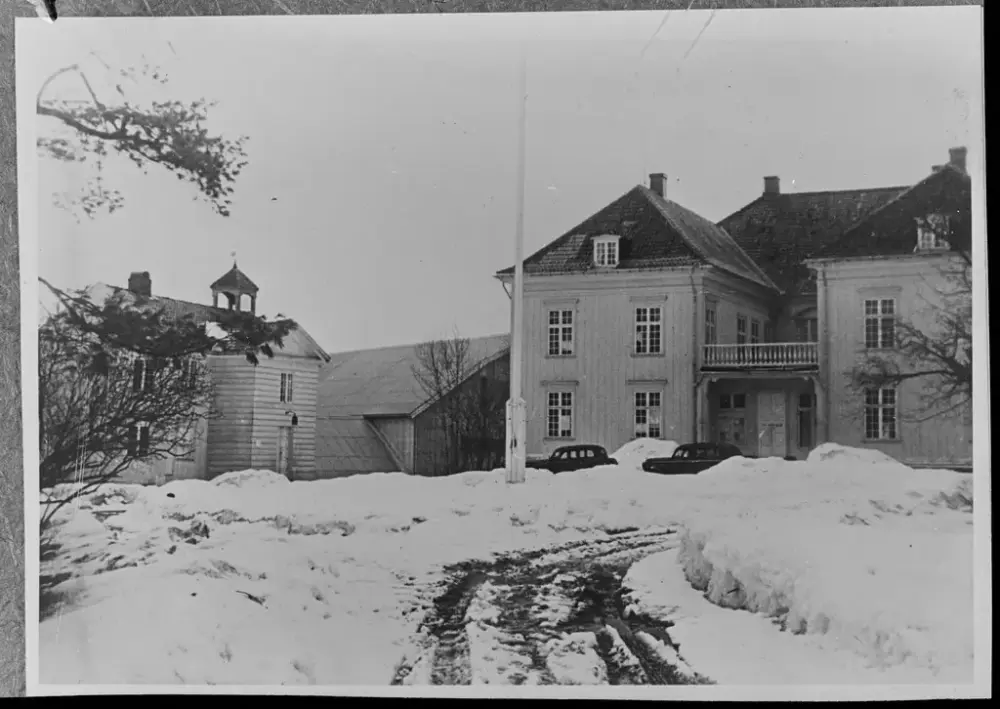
[548, 616]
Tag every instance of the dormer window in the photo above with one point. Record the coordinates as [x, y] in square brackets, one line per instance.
[606, 252]
[932, 232]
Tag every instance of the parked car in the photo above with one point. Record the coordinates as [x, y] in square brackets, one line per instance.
[570, 458]
[691, 458]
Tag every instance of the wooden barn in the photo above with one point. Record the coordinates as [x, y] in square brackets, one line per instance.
[373, 414]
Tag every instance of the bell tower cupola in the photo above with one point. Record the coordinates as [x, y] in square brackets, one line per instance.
[239, 292]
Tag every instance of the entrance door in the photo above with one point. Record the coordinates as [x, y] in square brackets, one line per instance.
[732, 430]
[285, 451]
[771, 424]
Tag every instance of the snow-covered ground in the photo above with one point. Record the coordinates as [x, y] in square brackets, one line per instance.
[845, 568]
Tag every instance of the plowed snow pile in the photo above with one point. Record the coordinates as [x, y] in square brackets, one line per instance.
[252, 579]
[633, 453]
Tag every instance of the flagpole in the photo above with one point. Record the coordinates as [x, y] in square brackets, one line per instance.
[516, 409]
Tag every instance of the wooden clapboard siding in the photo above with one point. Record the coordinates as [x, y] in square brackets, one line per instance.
[430, 440]
[230, 430]
[733, 297]
[397, 433]
[430, 450]
[912, 281]
[603, 372]
[269, 413]
[157, 471]
[193, 466]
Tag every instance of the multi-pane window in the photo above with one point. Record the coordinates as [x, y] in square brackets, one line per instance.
[805, 420]
[754, 332]
[932, 232]
[741, 329]
[138, 440]
[881, 414]
[880, 323]
[560, 333]
[732, 401]
[711, 333]
[807, 329]
[286, 388]
[647, 414]
[606, 253]
[189, 373]
[560, 415]
[143, 370]
[648, 330]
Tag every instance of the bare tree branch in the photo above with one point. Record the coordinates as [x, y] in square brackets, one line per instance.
[468, 410]
[124, 381]
[934, 347]
[170, 134]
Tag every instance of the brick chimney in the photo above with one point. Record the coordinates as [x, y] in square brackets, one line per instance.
[956, 158]
[140, 283]
[772, 185]
[658, 183]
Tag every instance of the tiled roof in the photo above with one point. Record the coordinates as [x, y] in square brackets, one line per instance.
[172, 306]
[779, 231]
[656, 234]
[380, 382]
[235, 279]
[347, 446]
[175, 307]
[890, 230]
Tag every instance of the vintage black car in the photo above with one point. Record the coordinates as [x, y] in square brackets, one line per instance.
[570, 458]
[691, 458]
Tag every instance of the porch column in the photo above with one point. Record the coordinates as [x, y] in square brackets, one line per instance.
[822, 327]
[822, 419]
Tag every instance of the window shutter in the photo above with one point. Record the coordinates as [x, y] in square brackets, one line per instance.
[144, 440]
[284, 384]
[289, 387]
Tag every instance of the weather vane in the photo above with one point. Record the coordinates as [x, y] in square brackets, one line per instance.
[233, 254]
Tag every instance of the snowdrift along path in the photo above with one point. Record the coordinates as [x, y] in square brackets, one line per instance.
[847, 567]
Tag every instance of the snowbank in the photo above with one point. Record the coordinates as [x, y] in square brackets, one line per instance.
[633, 453]
[251, 578]
[849, 545]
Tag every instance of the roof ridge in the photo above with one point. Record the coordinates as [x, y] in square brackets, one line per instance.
[843, 191]
[411, 345]
[162, 297]
[895, 200]
[811, 193]
[572, 231]
[751, 265]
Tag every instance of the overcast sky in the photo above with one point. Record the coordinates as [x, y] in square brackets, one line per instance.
[389, 142]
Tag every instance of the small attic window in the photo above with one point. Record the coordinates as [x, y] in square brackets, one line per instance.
[933, 232]
[606, 251]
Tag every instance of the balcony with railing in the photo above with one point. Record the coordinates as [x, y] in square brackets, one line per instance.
[763, 355]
